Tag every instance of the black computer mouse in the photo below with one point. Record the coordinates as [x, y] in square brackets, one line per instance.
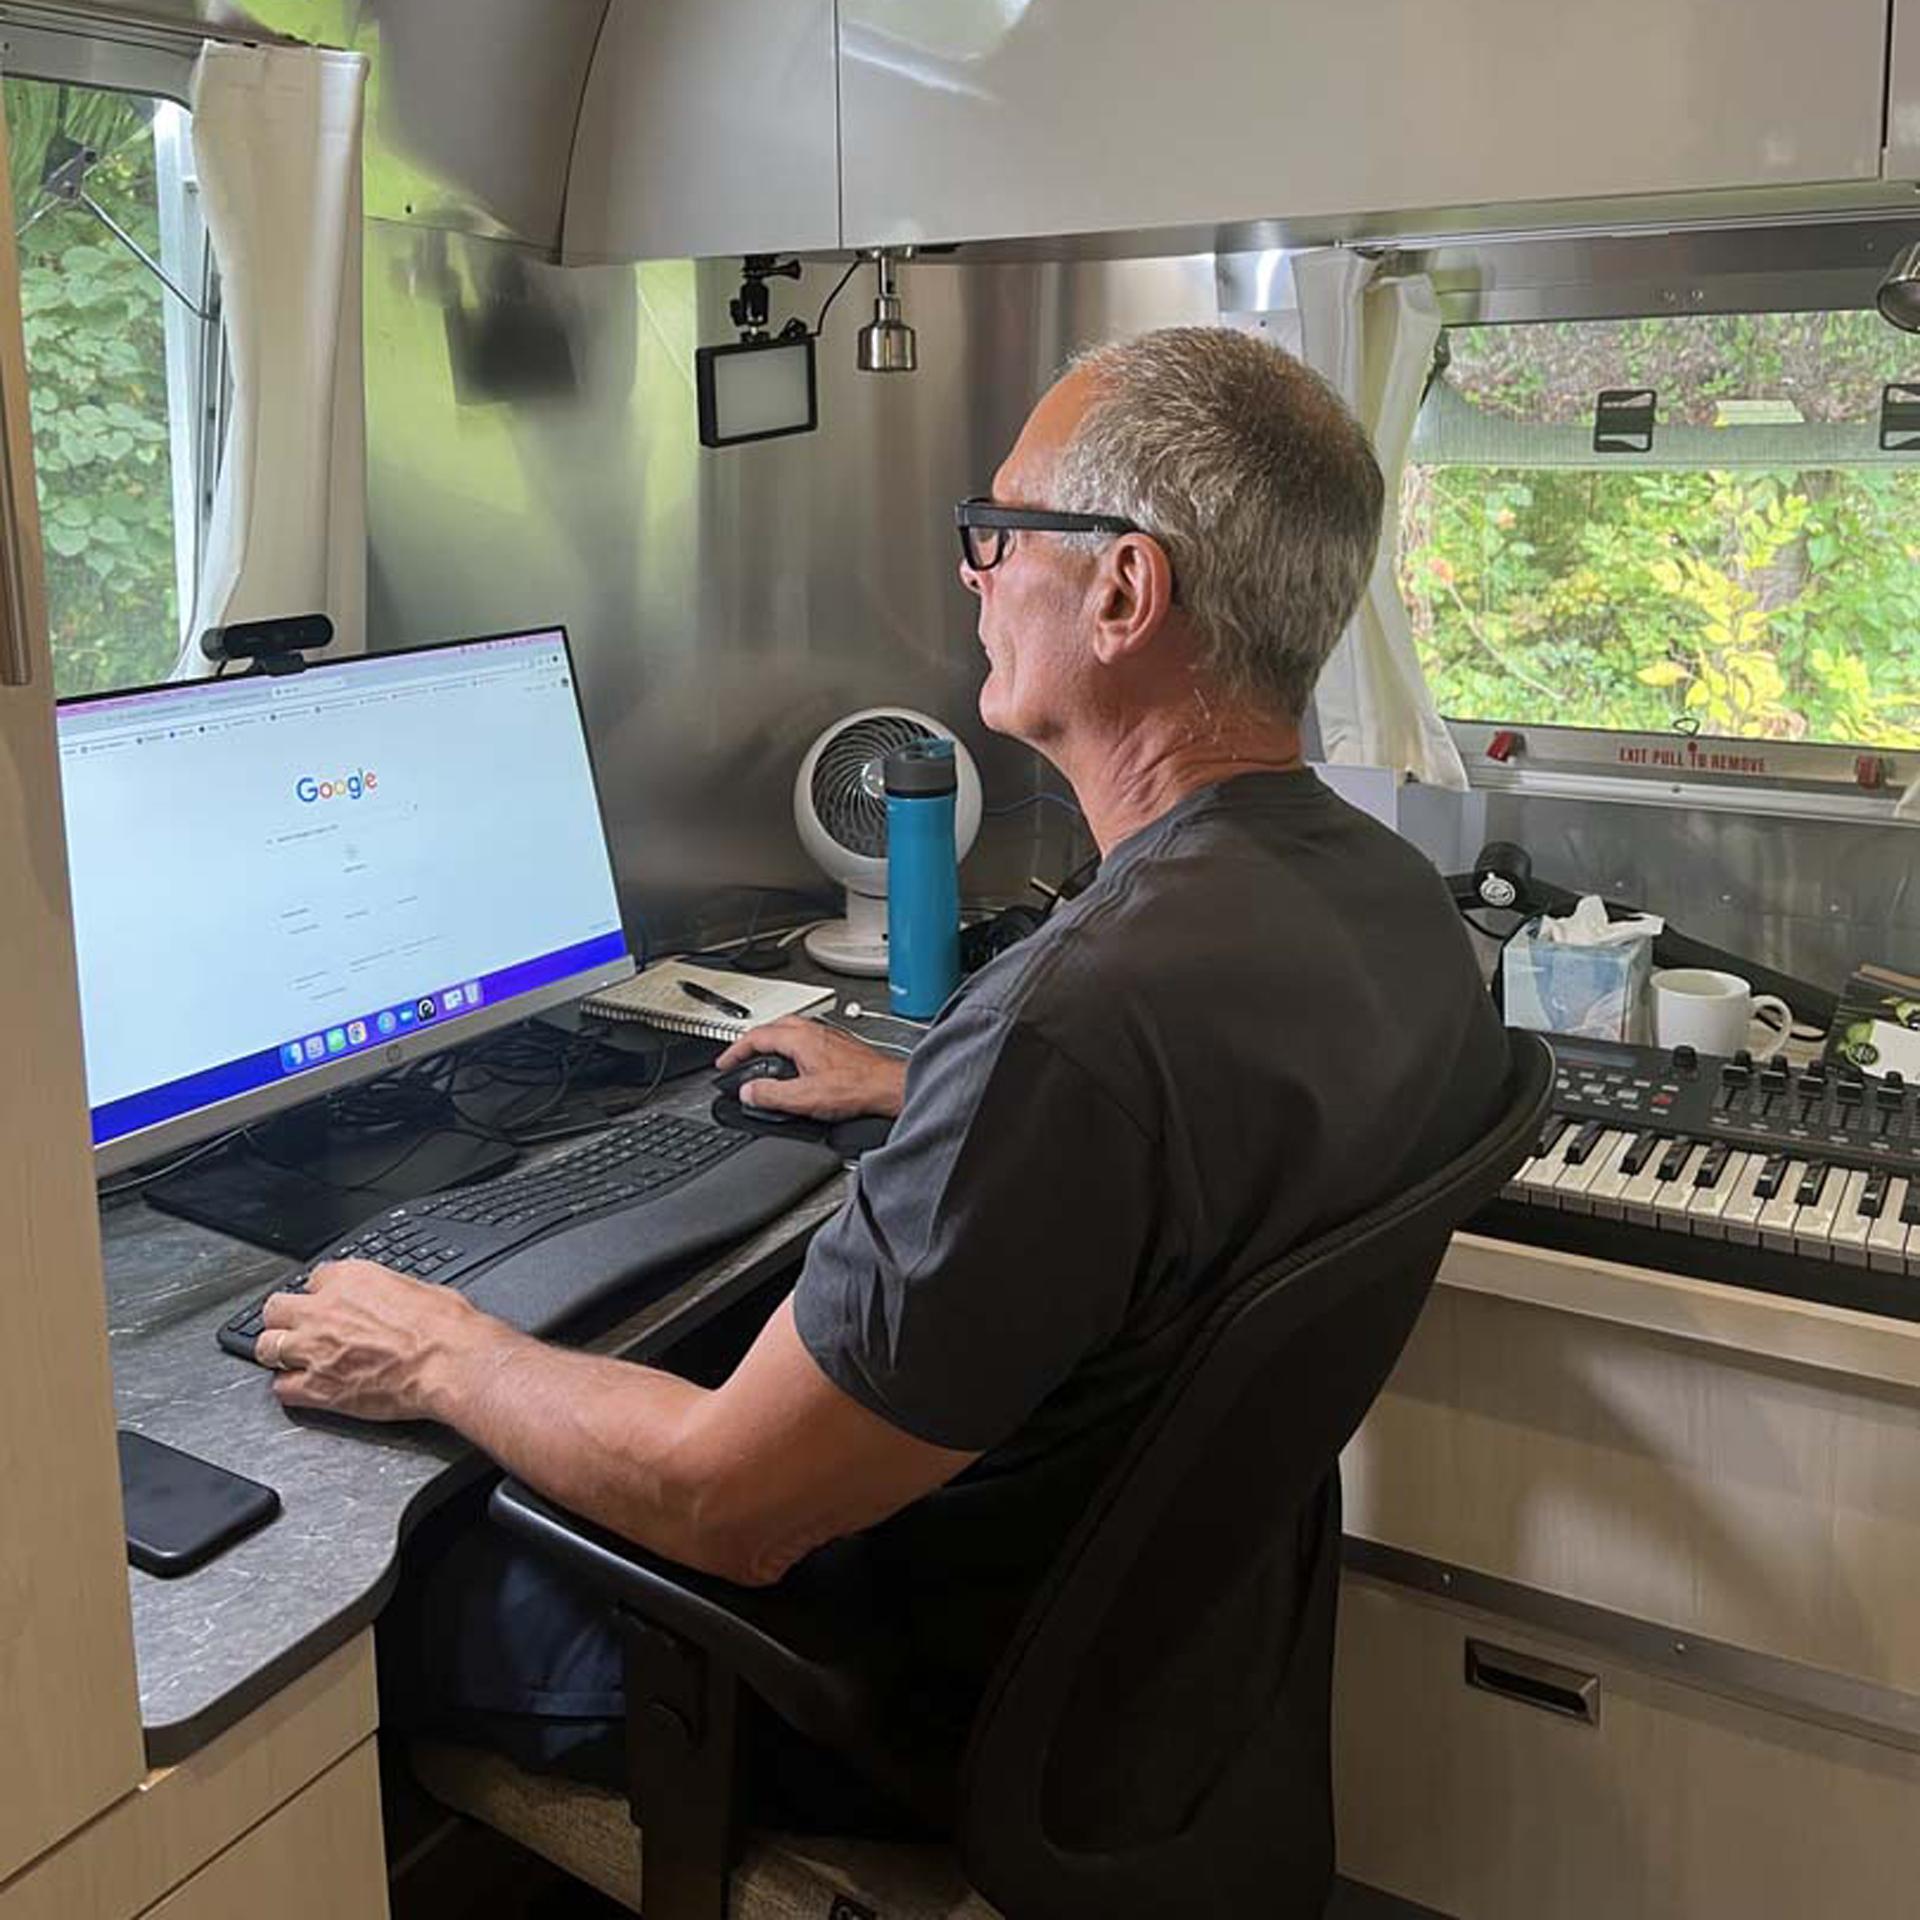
[763, 1066]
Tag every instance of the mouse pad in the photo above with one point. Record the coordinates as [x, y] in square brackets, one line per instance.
[848, 1138]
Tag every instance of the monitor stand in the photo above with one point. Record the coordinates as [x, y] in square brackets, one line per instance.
[296, 1184]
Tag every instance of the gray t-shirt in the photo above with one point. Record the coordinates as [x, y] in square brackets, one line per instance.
[1262, 1018]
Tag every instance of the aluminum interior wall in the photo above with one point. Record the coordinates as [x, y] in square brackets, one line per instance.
[533, 456]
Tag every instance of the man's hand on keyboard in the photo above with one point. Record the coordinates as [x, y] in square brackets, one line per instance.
[840, 1078]
[366, 1341]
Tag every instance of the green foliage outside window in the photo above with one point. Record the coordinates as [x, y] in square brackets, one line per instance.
[96, 362]
[1760, 602]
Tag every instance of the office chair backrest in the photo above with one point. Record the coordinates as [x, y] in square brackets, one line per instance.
[1119, 1766]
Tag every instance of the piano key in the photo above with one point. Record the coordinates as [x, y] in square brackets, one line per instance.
[1714, 1166]
[1606, 1187]
[1552, 1131]
[1515, 1187]
[1675, 1157]
[1910, 1206]
[1575, 1184]
[1671, 1202]
[1536, 1179]
[1813, 1225]
[1778, 1215]
[1873, 1196]
[1740, 1217]
[1772, 1176]
[1644, 1145]
[1637, 1197]
[1707, 1209]
[1851, 1225]
[1581, 1148]
[1887, 1238]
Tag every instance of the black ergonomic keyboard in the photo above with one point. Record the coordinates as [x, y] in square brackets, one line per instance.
[1802, 1181]
[539, 1248]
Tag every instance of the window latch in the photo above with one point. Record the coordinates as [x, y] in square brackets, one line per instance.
[1623, 420]
[1900, 417]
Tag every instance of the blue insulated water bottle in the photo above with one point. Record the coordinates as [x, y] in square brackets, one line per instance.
[923, 879]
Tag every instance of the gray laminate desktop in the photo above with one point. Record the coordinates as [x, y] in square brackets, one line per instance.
[215, 1644]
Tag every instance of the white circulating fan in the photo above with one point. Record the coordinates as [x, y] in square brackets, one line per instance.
[840, 807]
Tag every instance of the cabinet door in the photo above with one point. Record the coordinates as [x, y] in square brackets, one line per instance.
[1673, 1804]
[68, 1703]
[965, 119]
[708, 127]
[1903, 93]
[319, 1858]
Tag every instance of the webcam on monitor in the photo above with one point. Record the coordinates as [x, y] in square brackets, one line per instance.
[279, 645]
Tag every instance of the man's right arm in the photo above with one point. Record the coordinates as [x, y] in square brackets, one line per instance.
[840, 1078]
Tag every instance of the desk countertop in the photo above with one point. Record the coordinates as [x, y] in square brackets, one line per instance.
[214, 1644]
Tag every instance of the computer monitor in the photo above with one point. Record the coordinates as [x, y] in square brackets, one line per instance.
[285, 883]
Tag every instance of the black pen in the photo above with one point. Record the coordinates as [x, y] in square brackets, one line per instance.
[718, 1001]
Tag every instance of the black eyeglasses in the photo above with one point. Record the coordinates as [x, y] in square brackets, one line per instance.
[984, 526]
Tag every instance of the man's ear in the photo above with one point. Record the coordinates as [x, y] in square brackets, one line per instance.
[1132, 595]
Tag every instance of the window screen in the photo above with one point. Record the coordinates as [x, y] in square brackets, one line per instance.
[1756, 574]
[115, 366]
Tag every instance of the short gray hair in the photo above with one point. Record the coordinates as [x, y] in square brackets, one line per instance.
[1248, 468]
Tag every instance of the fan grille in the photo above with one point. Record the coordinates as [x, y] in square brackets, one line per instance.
[849, 781]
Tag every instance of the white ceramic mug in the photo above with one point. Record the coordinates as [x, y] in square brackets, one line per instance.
[1715, 1012]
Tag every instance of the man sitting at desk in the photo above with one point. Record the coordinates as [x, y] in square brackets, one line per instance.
[1261, 1018]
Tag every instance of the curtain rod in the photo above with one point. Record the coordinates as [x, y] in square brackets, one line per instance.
[128, 23]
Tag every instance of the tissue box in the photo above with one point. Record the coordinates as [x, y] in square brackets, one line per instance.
[1599, 993]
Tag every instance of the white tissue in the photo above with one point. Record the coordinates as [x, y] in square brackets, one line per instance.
[1588, 926]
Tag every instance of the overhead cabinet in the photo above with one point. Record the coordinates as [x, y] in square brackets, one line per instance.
[966, 119]
[708, 127]
[1903, 93]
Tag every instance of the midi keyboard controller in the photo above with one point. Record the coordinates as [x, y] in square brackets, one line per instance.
[1795, 1180]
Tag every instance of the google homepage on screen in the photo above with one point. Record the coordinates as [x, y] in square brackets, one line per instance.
[270, 874]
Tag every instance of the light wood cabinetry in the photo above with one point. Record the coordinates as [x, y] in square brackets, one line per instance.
[161, 1836]
[1076, 116]
[318, 1858]
[1736, 1494]
[1673, 1805]
[1726, 1486]
[69, 1714]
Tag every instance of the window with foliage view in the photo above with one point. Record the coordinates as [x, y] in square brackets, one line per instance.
[98, 370]
[1756, 575]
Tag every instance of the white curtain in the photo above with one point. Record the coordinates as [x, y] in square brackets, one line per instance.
[276, 138]
[1373, 338]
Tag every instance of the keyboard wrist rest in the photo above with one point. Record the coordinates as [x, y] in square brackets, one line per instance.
[540, 1285]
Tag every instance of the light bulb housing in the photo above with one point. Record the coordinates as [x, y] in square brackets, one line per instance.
[886, 344]
[1898, 297]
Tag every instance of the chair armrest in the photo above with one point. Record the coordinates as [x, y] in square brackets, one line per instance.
[826, 1672]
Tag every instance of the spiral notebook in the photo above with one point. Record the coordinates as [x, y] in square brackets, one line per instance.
[660, 998]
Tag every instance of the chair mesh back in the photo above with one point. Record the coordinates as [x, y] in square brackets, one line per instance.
[1156, 1741]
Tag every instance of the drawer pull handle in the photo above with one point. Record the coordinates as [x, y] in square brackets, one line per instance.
[1534, 1683]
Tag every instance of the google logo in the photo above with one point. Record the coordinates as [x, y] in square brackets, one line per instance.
[346, 786]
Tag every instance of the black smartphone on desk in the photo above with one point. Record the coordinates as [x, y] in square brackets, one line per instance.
[181, 1510]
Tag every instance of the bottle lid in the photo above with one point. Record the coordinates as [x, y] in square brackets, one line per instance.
[922, 767]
